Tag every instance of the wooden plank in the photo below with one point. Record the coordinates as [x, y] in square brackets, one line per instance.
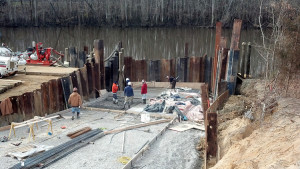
[137, 126]
[80, 133]
[236, 32]
[74, 132]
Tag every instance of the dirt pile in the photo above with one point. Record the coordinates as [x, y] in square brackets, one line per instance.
[270, 140]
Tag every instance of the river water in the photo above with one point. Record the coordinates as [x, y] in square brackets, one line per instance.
[139, 43]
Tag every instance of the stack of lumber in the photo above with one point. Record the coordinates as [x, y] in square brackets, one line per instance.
[8, 84]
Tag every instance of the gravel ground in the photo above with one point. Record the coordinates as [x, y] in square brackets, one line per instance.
[171, 150]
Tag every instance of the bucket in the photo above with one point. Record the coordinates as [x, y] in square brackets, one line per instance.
[145, 117]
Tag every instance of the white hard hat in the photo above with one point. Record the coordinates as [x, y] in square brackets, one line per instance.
[127, 78]
[143, 81]
[129, 83]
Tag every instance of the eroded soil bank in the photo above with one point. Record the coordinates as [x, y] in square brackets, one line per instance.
[269, 137]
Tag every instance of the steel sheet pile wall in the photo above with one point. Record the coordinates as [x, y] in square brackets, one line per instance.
[60, 96]
[53, 96]
[128, 67]
[181, 69]
[165, 69]
[45, 97]
[91, 80]
[141, 70]
[66, 86]
[84, 83]
[74, 81]
[194, 69]
[38, 106]
[154, 70]
[27, 105]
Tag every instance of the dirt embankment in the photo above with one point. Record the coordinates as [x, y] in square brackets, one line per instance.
[270, 140]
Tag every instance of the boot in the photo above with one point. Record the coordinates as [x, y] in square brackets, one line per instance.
[144, 101]
[78, 115]
[128, 106]
[73, 114]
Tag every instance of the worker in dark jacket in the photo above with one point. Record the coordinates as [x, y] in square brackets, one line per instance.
[172, 81]
[75, 102]
[114, 90]
[128, 93]
[144, 91]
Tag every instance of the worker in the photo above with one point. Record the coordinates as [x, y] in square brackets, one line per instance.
[144, 91]
[114, 91]
[172, 81]
[75, 102]
[128, 93]
[127, 80]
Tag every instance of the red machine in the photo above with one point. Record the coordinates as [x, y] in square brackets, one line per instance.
[42, 56]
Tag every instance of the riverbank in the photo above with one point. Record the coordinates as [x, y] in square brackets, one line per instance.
[264, 138]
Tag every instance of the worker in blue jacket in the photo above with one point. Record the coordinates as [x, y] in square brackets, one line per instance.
[128, 93]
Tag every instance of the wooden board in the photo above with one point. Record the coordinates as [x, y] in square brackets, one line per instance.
[183, 127]
[46, 70]
[8, 84]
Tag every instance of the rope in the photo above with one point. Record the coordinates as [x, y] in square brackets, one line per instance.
[112, 53]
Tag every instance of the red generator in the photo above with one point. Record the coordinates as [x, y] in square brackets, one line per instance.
[42, 56]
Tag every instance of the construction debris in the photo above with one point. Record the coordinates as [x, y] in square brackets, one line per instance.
[184, 102]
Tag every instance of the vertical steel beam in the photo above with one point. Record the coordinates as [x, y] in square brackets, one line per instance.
[60, 95]
[45, 97]
[211, 135]
[217, 48]
[99, 60]
[91, 80]
[37, 95]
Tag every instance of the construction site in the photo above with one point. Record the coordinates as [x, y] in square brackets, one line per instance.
[217, 116]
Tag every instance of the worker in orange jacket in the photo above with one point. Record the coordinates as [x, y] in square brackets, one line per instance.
[114, 90]
[75, 102]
